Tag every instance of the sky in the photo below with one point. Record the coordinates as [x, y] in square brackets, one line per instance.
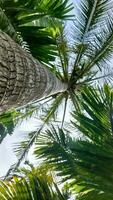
[7, 155]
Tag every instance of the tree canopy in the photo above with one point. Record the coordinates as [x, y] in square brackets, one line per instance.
[79, 150]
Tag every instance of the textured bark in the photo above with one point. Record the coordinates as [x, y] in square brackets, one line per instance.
[22, 78]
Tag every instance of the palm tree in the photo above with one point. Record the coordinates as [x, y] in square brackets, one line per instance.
[86, 162]
[92, 46]
[77, 62]
[24, 79]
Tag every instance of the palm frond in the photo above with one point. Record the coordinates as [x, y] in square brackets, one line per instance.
[8, 121]
[7, 27]
[95, 151]
[54, 9]
[31, 20]
[92, 44]
[64, 113]
[41, 43]
[53, 147]
[90, 14]
[94, 194]
[52, 109]
[101, 47]
[31, 186]
[98, 106]
[75, 98]
[63, 52]
[35, 109]
[84, 163]
[27, 12]
[21, 149]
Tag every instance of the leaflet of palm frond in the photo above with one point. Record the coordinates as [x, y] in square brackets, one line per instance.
[95, 152]
[66, 191]
[41, 171]
[8, 121]
[55, 69]
[8, 116]
[61, 196]
[1, 2]
[42, 12]
[93, 159]
[92, 78]
[58, 9]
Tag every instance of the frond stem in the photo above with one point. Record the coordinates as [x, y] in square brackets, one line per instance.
[64, 113]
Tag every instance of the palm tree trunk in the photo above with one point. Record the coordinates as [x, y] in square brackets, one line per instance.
[22, 78]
